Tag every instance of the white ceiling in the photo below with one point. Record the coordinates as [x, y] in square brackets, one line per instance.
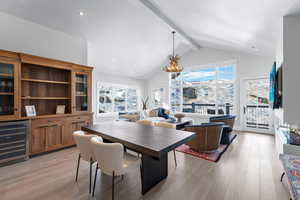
[128, 39]
[231, 24]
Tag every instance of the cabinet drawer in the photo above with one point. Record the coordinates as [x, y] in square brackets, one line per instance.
[79, 118]
[47, 122]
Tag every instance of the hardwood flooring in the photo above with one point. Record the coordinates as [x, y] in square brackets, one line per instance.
[249, 169]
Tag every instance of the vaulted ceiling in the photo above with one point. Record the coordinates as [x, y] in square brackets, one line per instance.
[132, 37]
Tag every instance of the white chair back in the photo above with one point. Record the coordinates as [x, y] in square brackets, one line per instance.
[109, 156]
[83, 143]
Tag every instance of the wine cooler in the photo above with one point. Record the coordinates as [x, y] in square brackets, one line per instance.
[13, 142]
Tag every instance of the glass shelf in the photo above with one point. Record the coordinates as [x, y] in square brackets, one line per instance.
[81, 92]
[6, 89]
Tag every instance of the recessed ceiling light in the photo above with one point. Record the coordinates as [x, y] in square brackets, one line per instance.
[254, 48]
[81, 13]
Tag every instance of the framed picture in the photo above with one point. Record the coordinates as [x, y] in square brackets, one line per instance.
[60, 109]
[30, 111]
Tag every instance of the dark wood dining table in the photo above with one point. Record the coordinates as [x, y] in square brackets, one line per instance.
[153, 143]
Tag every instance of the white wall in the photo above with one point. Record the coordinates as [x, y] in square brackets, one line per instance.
[23, 36]
[291, 69]
[248, 66]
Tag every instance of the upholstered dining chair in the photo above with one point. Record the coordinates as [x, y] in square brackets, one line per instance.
[111, 160]
[167, 125]
[228, 120]
[83, 143]
[145, 122]
[208, 136]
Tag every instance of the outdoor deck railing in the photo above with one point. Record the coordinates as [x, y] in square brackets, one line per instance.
[208, 108]
[257, 116]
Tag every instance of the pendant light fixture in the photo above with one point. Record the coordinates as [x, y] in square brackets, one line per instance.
[174, 60]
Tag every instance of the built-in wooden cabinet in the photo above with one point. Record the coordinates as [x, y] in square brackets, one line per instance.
[45, 83]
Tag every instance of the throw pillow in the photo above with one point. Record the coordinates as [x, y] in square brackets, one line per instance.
[162, 113]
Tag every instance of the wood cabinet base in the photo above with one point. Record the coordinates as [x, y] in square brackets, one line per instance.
[50, 134]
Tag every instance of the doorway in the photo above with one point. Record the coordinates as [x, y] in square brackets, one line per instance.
[256, 112]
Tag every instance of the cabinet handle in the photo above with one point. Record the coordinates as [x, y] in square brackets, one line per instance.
[44, 126]
[78, 122]
[49, 125]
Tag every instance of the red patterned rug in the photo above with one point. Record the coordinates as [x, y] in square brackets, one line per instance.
[211, 156]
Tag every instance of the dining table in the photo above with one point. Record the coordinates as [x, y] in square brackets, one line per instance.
[153, 143]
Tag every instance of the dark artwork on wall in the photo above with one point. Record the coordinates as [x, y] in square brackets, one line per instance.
[275, 97]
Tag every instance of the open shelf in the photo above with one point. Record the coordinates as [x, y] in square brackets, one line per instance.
[46, 98]
[45, 81]
[6, 75]
[45, 88]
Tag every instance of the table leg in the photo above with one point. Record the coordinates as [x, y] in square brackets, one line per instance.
[153, 170]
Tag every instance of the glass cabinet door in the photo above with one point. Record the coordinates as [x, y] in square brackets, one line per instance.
[81, 92]
[7, 89]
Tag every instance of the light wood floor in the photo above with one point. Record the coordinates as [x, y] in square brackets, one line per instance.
[249, 169]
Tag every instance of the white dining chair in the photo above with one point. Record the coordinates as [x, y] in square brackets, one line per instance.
[83, 142]
[167, 125]
[112, 160]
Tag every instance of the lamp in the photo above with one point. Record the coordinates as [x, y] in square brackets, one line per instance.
[174, 59]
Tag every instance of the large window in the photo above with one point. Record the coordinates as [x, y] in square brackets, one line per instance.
[206, 91]
[115, 98]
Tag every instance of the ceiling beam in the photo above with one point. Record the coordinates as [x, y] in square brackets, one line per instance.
[155, 9]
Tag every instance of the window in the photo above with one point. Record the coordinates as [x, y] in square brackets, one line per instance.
[157, 97]
[206, 91]
[115, 98]
[176, 92]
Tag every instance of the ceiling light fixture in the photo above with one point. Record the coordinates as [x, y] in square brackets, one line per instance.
[174, 59]
[254, 48]
[81, 13]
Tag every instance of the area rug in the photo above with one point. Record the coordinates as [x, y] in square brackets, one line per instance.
[211, 156]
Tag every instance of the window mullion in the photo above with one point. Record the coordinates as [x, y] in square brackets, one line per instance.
[217, 90]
